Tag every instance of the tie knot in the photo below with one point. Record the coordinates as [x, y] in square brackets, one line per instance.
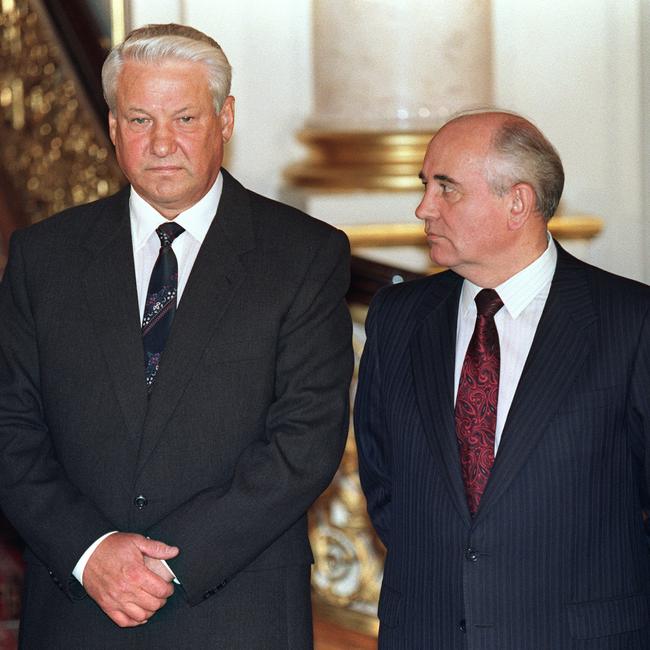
[488, 302]
[167, 232]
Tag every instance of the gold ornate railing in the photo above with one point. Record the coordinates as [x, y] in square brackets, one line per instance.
[54, 149]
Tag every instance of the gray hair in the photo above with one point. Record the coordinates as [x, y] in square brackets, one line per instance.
[523, 155]
[155, 43]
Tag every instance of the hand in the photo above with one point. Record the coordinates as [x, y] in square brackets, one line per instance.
[118, 580]
[159, 568]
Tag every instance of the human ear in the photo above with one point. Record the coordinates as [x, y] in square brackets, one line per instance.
[112, 126]
[227, 118]
[521, 204]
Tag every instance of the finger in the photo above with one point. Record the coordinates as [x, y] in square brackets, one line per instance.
[135, 584]
[121, 619]
[137, 609]
[155, 548]
[141, 587]
[144, 602]
[159, 567]
[138, 576]
[154, 585]
[138, 613]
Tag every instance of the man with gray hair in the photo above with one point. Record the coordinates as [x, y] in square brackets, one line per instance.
[174, 370]
[503, 417]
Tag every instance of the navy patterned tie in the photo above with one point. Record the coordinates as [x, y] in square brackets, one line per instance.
[476, 401]
[160, 307]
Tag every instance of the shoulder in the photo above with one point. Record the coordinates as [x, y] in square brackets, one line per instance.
[274, 214]
[406, 305]
[55, 250]
[288, 243]
[415, 294]
[286, 227]
[71, 224]
[282, 230]
[608, 290]
[616, 286]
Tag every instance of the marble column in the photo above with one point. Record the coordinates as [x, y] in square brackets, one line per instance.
[386, 75]
[398, 65]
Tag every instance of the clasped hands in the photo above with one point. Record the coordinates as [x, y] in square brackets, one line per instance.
[126, 578]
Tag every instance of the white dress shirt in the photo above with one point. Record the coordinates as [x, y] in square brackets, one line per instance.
[524, 296]
[146, 245]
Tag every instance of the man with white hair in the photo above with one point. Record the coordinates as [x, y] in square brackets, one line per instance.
[503, 417]
[174, 368]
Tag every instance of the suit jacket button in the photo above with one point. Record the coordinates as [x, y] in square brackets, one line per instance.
[140, 502]
[462, 626]
[471, 555]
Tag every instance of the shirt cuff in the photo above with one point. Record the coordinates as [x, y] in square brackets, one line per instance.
[78, 570]
[176, 580]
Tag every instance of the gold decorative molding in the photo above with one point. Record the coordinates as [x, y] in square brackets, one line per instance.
[338, 161]
[576, 227]
[118, 21]
[347, 619]
[54, 153]
[412, 234]
[348, 556]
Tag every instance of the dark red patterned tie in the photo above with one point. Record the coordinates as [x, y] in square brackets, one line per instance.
[476, 401]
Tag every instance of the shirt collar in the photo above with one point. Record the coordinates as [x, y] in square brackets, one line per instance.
[518, 291]
[196, 220]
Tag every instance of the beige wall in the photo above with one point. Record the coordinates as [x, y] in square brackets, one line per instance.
[645, 113]
[574, 67]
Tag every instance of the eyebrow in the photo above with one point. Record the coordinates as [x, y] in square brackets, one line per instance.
[438, 177]
[136, 109]
[445, 179]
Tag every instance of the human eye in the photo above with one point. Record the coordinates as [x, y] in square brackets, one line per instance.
[448, 190]
[138, 121]
[186, 119]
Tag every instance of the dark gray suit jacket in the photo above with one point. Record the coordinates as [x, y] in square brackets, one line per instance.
[244, 428]
[556, 557]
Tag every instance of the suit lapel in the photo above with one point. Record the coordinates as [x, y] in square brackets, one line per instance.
[215, 278]
[432, 356]
[560, 347]
[109, 283]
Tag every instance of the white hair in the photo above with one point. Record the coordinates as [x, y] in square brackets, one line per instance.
[156, 43]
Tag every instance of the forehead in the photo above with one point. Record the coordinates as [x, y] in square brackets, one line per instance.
[459, 148]
[161, 80]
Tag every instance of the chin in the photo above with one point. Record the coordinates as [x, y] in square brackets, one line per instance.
[438, 256]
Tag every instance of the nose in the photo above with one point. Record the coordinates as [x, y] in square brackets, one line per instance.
[428, 207]
[163, 142]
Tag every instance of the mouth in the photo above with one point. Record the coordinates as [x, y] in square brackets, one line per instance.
[164, 169]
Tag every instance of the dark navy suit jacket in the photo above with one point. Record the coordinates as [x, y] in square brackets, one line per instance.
[556, 557]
